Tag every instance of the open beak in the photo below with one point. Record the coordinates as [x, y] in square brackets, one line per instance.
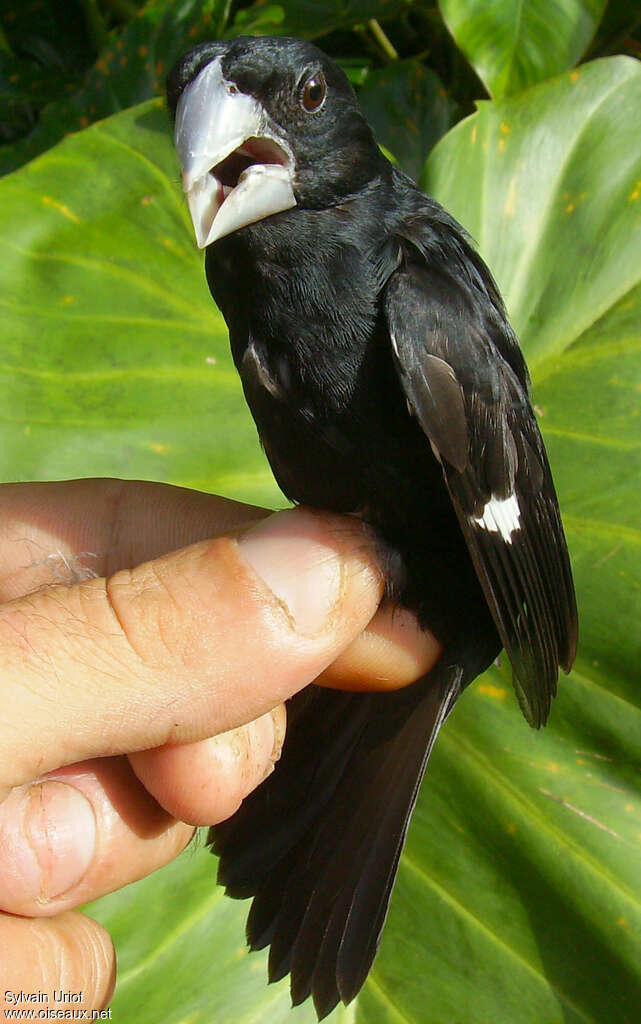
[235, 168]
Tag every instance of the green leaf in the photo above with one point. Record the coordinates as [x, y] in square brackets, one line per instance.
[182, 956]
[357, 69]
[619, 30]
[513, 44]
[132, 68]
[114, 359]
[310, 18]
[409, 110]
[519, 895]
[41, 52]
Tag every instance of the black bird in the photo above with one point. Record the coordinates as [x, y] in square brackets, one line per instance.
[385, 380]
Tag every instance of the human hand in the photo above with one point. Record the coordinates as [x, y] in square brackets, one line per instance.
[142, 691]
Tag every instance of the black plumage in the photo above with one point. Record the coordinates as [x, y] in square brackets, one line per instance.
[384, 380]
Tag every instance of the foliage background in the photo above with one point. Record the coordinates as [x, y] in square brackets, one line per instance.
[519, 894]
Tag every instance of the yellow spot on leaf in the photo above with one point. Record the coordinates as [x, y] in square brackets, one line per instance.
[574, 77]
[572, 201]
[552, 766]
[142, 51]
[501, 145]
[474, 134]
[511, 828]
[635, 193]
[492, 691]
[67, 300]
[629, 807]
[64, 210]
[505, 128]
[160, 449]
[27, 430]
[510, 201]
[622, 922]
[146, 200]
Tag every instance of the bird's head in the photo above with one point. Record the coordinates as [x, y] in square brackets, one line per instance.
[263, 125]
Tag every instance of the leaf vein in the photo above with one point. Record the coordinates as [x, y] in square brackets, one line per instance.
[465, 748]
[463, 911]
[386, 999]
[171, 937]
[604, 442]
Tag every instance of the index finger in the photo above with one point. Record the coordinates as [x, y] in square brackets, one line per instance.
[64, 531]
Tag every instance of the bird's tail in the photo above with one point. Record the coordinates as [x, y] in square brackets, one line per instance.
[318, 844]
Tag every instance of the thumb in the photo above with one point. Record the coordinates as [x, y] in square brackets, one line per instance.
[182, 647]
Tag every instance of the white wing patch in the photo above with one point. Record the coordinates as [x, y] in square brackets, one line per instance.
[500, 515]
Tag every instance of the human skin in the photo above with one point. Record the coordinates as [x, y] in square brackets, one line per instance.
[149, 636]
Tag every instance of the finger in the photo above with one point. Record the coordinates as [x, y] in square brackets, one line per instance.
[391, 652]
[82, 832]
[203, 783]
[91, 828]
[64, 532]
[71, 953]
[192, 644]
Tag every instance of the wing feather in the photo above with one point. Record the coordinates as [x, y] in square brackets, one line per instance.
[477, 416]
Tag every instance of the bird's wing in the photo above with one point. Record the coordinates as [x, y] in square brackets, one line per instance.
[477, 416]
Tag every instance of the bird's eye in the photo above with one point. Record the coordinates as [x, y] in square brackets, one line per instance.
[314, 92]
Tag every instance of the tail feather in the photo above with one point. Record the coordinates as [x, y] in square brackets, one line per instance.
[274, 817]
[370, 902]
[321, 862]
